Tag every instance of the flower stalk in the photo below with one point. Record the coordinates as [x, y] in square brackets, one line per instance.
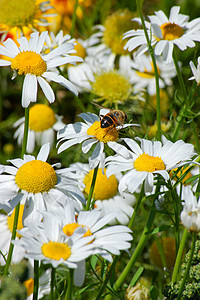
[179, 256]
[36, 280]
[194, 237]
[137, 252]
[68, 295]
[53, 281]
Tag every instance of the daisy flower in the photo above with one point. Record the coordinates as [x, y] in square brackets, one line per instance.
[108, 38]
[164, 33]
[142, 75]
[6, 228]
[23, 16]
[43, 123]
[195, 71]
[35, 182]
[104, 241]
[143, 162]
[89, 133]
[107, 199]
[45, 241]
[99, 75]
[190, 215]
[53, 41]
[29, 60]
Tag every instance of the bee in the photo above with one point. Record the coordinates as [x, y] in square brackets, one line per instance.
[113, 119]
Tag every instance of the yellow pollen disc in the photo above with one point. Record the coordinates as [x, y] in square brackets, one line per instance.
[171, 31]
[29, 284]
[110, 185]
[103, 134]
[56, 251]
[115, 26]
[148, 74]
[148, 163]
[10, 220]
[68, 229]
[176, 175]
[80, 50]
[29, 62]
[41, 117]
[111, 87]
[36, 176]
[17, 13]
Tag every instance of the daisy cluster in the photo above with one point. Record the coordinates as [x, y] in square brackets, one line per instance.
[109, 142]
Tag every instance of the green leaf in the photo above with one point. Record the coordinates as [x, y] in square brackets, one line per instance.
[136, 276]
[159, 229]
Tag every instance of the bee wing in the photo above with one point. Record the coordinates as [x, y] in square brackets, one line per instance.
[104, 111]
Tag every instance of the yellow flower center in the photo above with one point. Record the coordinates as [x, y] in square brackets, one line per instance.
[29, 62]
[111, 87]
[36, 176]
[29, 284]
[10, 220]
[80, 50]
[56, 251]
[176, 175]
[110, 185]
[115, 26]
[68, 229]
[103, 134]
[171, 31]
[41, 117]
[148, 74]
[17, 13]
[148, 163]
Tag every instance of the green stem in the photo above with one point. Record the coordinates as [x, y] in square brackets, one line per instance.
[92, 188]
[179, 256]
[161, 251]
[155, 71]
[10, 252]
[102, 288]
[138, 250]
[11, 248]
[194, 237]
[36, 280]
[74, 19]
[68, 295]
[136, 209]
[130, 225]
[53, 280]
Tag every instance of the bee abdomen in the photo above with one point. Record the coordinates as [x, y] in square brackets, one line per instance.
[107, 121]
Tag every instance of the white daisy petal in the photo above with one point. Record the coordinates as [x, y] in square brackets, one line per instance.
[29, 91]
[46, 89]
